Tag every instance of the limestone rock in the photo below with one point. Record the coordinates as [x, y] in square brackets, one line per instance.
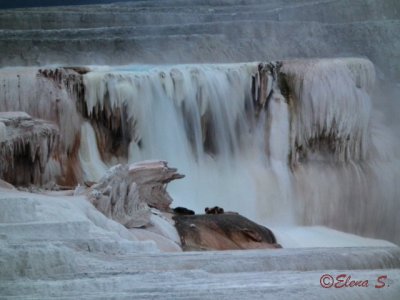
[127, 192]
[26, 146]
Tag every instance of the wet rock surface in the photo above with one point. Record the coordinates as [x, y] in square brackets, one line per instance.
[222, 232]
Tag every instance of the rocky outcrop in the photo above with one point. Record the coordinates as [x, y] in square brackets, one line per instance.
[127, 193]
[222, 232]
[26, 146]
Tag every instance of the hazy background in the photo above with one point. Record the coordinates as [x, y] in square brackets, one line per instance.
[34, 3]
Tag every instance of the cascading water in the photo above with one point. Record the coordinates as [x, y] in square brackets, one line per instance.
[345, 161]
[200, 119]
[312, 154]
[307, 145]
[312, 158]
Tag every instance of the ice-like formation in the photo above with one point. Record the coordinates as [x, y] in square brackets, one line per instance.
[26, 146]
[297, 145]
[317, 149]
[344, 160]
[127, 192]
[45, 94]
[297, 142]
[331, 107]
[49, 94]
[196, 117]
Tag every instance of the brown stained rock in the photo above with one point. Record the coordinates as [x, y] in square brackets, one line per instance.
[26, 146]
[222, 232]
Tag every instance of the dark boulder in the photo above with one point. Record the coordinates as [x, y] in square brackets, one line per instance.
[183, 211]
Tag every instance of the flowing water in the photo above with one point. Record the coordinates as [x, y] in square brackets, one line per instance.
[317, 154]
[200, 119]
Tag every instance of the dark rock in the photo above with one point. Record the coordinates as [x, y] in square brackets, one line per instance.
[214, 210]
[183, 211]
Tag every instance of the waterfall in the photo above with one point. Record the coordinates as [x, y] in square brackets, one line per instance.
[344, 159]
[314, 152]
[199, 119]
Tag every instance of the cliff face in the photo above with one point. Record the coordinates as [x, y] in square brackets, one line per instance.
[200, 31]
